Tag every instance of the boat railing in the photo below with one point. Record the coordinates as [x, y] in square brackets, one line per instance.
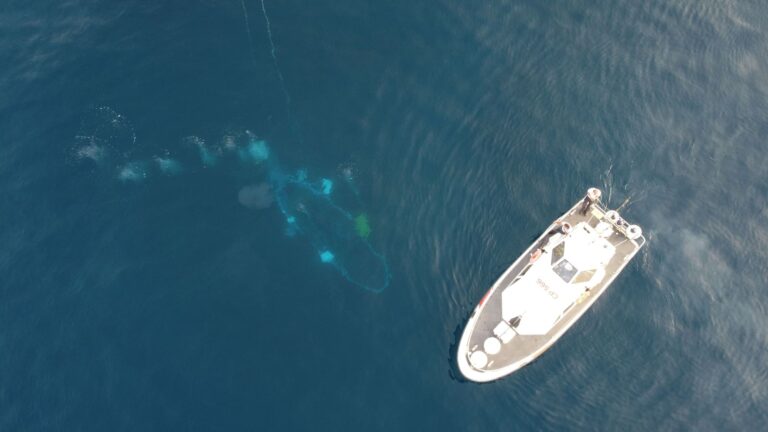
[631, 232]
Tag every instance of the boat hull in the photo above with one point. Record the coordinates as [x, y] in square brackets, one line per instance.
[524, 349]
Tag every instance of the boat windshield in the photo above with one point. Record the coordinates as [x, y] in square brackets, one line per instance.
[558, 252]
[565, 270]
[584, 276]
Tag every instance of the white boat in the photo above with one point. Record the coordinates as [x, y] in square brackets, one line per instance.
[544, 292]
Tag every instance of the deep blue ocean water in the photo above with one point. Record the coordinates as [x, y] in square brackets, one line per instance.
[133, 298]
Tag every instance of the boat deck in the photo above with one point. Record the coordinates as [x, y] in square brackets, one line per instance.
[523, 349]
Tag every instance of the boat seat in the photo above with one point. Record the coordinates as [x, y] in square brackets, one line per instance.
[504, 331]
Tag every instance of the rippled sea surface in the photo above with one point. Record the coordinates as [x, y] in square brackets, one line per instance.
[145, 287]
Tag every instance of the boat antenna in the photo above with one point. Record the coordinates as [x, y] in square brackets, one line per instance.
[626, 201]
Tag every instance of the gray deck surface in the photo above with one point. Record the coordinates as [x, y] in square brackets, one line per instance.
[523, 346]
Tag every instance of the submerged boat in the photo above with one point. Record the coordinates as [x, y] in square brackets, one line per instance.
[544, 292]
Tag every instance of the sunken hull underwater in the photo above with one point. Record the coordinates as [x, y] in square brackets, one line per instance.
[544, 292]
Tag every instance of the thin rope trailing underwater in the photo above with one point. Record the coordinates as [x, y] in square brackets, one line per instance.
[248, 30]
[274, 55]
[272, 47]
